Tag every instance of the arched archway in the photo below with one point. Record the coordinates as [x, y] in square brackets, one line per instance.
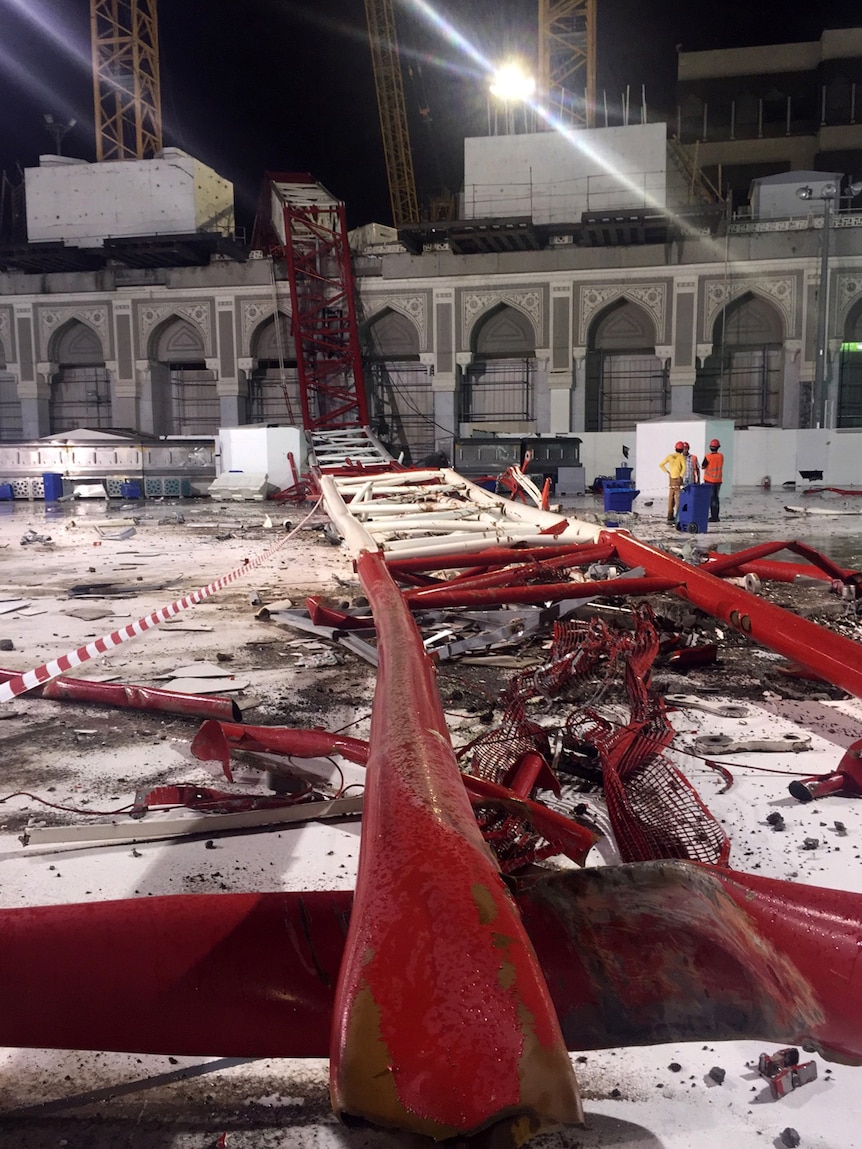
[273, 389]
[742, 378]
[184, 396]
[626, 382]
[399, 385]
[850, 370]
[80, 388]
[11, 426]
[499, 385]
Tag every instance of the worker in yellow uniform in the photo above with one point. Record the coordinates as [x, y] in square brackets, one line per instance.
[713, 465]
[674, 468]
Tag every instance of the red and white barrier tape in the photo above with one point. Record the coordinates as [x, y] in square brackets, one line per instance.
[21, 683]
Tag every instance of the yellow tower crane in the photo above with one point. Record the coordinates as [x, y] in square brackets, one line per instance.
[125, 44]
[380, 16]
[567, 52]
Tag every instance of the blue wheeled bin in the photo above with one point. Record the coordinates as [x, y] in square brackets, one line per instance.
[694, 508]
[619, 496]
[52, 485]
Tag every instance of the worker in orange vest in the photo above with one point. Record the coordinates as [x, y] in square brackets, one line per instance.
[674, 468]
[713, 464]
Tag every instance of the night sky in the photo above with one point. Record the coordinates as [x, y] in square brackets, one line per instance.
[286, 85]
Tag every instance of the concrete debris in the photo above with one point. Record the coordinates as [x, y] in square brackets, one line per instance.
[14, 604]
[717, 1074]
[790, 1137]
[198, 670]
[6, 644]
[206, 685]
[31, 536]
[724, 744]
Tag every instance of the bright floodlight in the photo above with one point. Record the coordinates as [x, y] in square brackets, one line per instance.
[512, 84]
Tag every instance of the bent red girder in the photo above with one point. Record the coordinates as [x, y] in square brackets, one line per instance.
[830, 655]
[632, 955]
[214, 740]
[433, 925]
[322, 293]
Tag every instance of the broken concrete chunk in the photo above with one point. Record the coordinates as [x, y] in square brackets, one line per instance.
[810, 843]
[198, 670]
[717, 1074]
[790, 1137]
[205, 685]
[6, 644]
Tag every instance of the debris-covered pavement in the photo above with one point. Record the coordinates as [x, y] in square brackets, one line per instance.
[89, 761]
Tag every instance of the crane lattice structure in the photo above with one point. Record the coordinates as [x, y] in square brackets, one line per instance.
[125, 45]
[392, 107]
[567, 53]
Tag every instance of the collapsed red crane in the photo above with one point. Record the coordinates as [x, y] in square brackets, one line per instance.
[446, 1006]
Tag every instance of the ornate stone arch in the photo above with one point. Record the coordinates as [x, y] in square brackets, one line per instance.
[393, 334]
[412, 308]
[778, 291]
[76, 344]
[271, 339]
[625, 325]
[751, 319]
[177, 340]
[477, 306]
[503, 332]
[651, 297]
[154, 318]
[851, 328]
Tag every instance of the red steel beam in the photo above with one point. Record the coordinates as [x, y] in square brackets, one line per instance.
[833, 657]
[517, 575]
[214, 741]
[434, 925]
[724, 564]
[632, 955]
[448, 595]
[495, 556]
[125, 697]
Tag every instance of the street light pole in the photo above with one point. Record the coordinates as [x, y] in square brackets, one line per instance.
[825, 397]
[820, 397]
[819, 400]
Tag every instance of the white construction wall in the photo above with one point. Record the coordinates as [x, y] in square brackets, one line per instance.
[256, 450]
[555, 176]
[72, 201]
[750, 455]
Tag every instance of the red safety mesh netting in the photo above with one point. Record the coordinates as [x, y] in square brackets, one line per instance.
[653, 809]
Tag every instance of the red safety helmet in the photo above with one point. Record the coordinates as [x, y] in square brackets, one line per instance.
[686, 446]
[714, 445]
[679, 446]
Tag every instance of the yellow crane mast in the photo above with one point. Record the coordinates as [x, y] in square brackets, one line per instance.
[125, 44]
[567, 52]
[392, 107]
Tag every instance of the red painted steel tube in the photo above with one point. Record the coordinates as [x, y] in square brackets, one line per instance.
[210, 740]
[723, 564]
[573, 840]
[833, 657]
[847, 779]
[434, 925]
[492, 556]
[118, 694]
[214, 740]
[669, 951]
[515, 575]
[771, 571]
[632, 955]
[547, 592]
